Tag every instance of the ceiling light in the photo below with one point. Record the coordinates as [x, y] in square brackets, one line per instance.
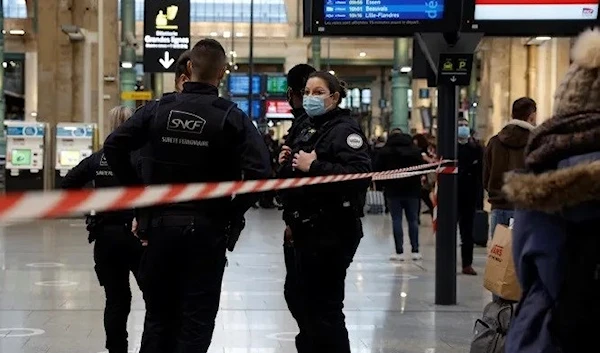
[239, 34]
[126, 65]
[543, 38]
[227, 72]
[226, 34]
[332, 72]
[362, 54]
[17, 32]
[405, 69]
[5, 64]
[214, 34]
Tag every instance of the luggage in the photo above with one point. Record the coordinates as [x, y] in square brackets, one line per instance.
[490, 331]
[375, 201]
[481, 228]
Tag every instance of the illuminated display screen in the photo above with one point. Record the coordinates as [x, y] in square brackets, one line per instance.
[21, 157]
[278, 109]
[536, 10]
[238, 84]
[382, 10]
[69, 158]
[276, 85]
[242, 103]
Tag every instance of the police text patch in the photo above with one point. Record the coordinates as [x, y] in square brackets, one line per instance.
[354, 141]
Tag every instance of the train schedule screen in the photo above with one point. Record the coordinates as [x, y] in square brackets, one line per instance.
[381, 11]
[583, 10]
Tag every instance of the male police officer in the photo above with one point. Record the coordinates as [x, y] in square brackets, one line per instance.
[191, 137]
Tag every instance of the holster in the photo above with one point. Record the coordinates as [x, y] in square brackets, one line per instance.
[97, 224]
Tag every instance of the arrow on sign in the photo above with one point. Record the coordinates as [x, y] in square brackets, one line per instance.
[453, 78]
[167, 61]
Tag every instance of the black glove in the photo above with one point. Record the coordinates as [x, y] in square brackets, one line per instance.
[234, 229]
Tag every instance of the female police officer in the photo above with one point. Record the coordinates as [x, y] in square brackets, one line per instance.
[116, 251]
[324, 220]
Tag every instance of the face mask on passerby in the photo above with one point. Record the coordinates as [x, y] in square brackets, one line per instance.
[464, 132]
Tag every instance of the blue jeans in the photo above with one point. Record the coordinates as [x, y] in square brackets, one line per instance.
[410, 207]
[500, 217]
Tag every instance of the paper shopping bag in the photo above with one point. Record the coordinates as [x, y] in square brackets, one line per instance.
[500, 276]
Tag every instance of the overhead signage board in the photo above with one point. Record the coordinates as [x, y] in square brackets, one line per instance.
[136, 95]
[380, 17]
[455, 69]
[166, 33]
[278, 109]
[530, 17]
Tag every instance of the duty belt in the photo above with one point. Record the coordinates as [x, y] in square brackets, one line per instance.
[305, 216]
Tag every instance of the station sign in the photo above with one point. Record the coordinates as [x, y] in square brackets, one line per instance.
[166, 33]
[455, 69]
[136, 95]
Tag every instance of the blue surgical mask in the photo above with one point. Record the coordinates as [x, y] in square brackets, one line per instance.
[314, 105]
[464, 132]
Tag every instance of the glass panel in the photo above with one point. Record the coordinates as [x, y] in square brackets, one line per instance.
[265, 11]
[15, 9]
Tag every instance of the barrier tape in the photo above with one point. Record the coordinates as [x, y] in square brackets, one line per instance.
[61, 203]
[434, 194]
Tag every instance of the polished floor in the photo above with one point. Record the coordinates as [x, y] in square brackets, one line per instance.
[50, 300]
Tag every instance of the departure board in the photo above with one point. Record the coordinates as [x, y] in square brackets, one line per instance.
[381, 18]
[382, 10]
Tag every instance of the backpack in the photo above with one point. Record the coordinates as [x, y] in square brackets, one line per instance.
[490, 331]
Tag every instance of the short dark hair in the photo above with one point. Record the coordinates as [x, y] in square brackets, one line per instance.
[297, 77]
[181, 65]
[208, 59]
[523, 107]
[334, 84]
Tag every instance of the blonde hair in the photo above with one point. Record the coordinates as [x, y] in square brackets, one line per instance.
[118, 115]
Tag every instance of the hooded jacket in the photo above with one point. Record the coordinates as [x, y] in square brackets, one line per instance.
[399, 152]
[505, 152]
[550, 205]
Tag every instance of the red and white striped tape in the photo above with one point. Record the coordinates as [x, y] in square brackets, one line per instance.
[434, 194]
[61, 203]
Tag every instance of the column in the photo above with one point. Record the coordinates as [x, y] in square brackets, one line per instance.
[316, 52]
[400, 86]
[55, 63]
[2, 102]
[128, 57]
[158, 85]
[112, 43]
[31, 84]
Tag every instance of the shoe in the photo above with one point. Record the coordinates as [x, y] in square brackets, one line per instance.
[416, 256]
[397, 257]
[469, 271]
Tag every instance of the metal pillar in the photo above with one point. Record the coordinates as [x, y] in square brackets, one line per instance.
[158, 85]
[250, 61]
[400, 86]
[445, 245]
[128, 57]
[316, 52]
[2, 99]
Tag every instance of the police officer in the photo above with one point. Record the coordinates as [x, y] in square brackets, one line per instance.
[296, 80]
[116, 250]
[190, 137]
[324, 220]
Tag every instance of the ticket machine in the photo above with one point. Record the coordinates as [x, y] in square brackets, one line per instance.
[74, 142]
[25, 157]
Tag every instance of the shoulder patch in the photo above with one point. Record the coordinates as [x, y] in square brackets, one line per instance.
[355, 141]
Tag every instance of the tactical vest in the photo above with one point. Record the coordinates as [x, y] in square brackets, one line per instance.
[187, 141]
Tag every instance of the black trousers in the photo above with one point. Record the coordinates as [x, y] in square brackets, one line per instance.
[315, 289]
[117, 252]
[181, 275]
[466, 219]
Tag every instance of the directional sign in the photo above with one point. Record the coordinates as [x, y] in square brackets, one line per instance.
[136, 95]
[166, 33]
[455, 69]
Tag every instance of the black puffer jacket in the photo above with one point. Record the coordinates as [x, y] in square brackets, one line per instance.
[400, 152]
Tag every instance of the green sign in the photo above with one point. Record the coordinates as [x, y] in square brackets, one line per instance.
[277, 85]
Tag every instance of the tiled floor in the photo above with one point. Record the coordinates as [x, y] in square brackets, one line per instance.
[50, 300]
